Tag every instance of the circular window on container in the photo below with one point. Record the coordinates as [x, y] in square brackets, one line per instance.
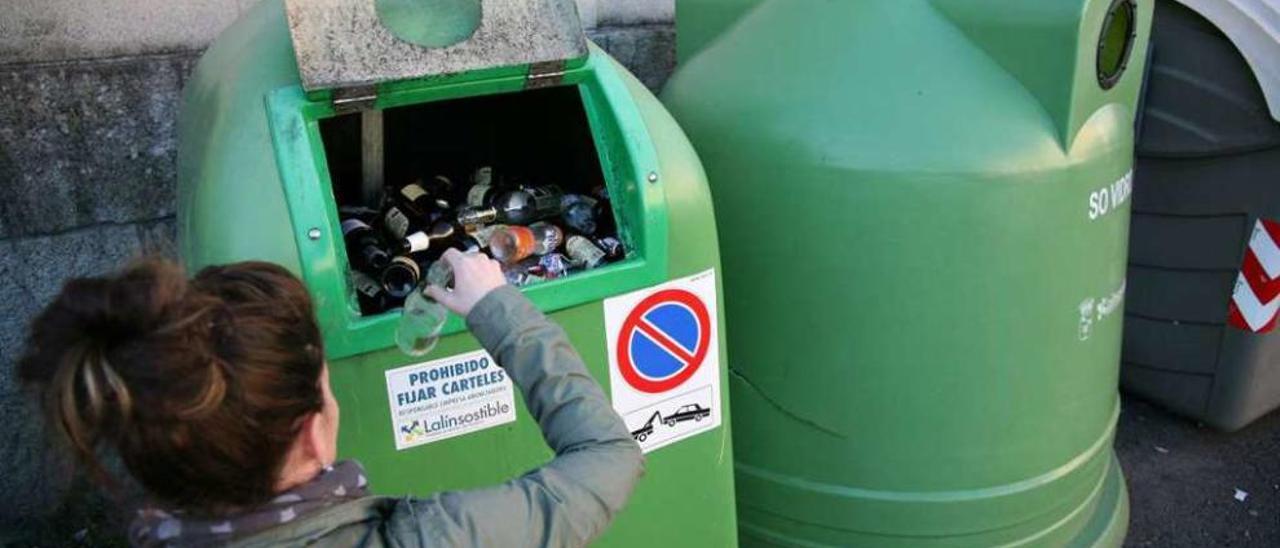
[1115, 45]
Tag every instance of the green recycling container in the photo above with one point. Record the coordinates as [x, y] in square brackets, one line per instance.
[276, 136]
[701, 21]
[923, 208]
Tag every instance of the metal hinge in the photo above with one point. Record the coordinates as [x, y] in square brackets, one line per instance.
[546, 74]
[354, 99]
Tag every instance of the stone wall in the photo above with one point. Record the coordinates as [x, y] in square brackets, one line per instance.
[58, 30]
[89, 94]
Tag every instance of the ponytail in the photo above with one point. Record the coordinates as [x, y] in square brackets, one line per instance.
[87, 396]
[198, 385]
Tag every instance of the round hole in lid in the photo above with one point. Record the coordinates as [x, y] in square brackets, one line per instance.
[430, 23]
[1115, 44]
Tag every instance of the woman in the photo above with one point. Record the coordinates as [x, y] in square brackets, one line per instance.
[215, 394]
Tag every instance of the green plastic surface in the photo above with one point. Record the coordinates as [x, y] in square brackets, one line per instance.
[908, 194]
[254, 183]
[701, 21]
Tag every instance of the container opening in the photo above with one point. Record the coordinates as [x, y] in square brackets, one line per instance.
[1115, 44]
[546, 193]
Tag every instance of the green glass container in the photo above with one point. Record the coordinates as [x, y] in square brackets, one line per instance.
[923, 210]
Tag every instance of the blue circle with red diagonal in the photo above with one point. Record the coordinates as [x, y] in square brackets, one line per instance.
[664, 341]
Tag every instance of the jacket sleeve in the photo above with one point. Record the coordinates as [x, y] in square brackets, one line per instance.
[570, 500]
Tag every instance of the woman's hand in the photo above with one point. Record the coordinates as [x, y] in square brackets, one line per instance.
[474, 276]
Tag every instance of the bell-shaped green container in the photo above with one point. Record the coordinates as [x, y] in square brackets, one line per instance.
[923, 209]
[303, 106]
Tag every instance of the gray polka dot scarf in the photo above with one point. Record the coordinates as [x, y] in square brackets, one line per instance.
[154, 526]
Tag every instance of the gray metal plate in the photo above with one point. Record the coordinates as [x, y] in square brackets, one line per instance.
[342, 43]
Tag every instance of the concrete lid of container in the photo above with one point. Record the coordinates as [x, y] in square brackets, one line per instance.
[346, 44]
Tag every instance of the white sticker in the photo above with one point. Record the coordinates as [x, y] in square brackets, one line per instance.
[664, 360]
[449, 397]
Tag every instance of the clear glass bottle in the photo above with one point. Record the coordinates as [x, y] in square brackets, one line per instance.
[440, 274]
[420, 322]
[423, 318]
[517, 207]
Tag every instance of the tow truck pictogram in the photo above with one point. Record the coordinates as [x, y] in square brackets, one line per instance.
[643, 432]
[691, 412]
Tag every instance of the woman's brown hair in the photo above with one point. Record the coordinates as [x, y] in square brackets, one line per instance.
[200, 385]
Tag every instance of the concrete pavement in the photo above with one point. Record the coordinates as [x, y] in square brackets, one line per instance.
[1183, 479]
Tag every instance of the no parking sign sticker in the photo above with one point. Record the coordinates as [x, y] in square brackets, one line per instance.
[664, 360]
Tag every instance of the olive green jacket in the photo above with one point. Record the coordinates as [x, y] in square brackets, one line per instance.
[567, 502]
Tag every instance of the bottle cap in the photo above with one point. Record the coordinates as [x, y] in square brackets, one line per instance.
[418, 241]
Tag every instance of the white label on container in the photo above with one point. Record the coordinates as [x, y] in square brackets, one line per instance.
[1093, 310]
[1109, 198]
[449, 397]
[664, 360]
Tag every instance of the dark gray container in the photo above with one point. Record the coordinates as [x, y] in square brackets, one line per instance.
[1208, 167]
